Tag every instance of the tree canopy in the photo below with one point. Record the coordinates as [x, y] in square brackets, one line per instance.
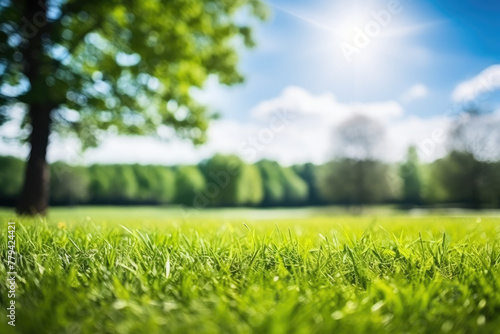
[125, 66]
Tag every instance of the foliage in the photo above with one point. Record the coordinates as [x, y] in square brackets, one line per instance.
[282, 186]
[138, 271]
[126, 66]
[467, 180]
[123, 184]
[190, 185]
[457, 179]
[251, 187]
[410, 173]
[11, 178]
[296, 191]
[231, 182]
[309, 173]
[274, 191]
[356, 177]
[68, 185]
[100, 183]
[163, 189]
[355, 182]
[156, 184]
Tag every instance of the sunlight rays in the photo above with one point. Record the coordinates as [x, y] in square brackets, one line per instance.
[360, 37]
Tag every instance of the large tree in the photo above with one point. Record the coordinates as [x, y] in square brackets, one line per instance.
[127, 66]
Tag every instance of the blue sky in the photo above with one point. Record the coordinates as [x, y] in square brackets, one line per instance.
[413, 61]
[452, 41]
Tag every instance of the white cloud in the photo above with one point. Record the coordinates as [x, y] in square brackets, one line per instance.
[475, 88]
[146, 150]
[429, 135]
[415, 92]
[294, 127]
[309, 135]
[302, 103]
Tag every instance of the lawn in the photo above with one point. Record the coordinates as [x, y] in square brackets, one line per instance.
[147, 270]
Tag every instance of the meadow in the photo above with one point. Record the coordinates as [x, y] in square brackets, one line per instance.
[147, 270]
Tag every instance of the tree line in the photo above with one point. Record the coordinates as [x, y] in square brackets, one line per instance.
[458, 179]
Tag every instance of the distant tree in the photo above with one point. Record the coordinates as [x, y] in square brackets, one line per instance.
[410, 173]
[337, 183]
[11, 179]
[189, 184]
[131, 184]
[230, 181]
[222, 175]
[69, 185]
[462, 177]
[123, 186]
[432, 189]
[282, 185]
[251, 186]
[164, 189]
[492, 177]
[128, 66]
[274, 190]
[309, 173]
[296, 190]
[476, 132]
[356, 177]
[100, 183]
[474, 139]
[358, 138]
[146, 181]
[354, 182]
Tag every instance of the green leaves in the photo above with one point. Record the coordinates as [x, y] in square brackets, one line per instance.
[125, 58]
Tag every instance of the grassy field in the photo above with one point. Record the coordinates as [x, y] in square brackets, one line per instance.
[147, 270]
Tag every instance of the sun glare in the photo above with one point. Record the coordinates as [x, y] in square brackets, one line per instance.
[360, 37]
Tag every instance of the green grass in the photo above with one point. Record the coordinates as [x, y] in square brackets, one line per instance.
[145, 270]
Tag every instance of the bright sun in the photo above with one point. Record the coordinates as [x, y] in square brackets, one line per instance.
[360, 40]
[360, 36]
[360, 32]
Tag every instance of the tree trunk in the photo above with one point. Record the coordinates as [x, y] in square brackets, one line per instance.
[35, 194]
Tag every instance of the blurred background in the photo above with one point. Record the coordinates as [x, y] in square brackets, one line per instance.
[249, 103]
